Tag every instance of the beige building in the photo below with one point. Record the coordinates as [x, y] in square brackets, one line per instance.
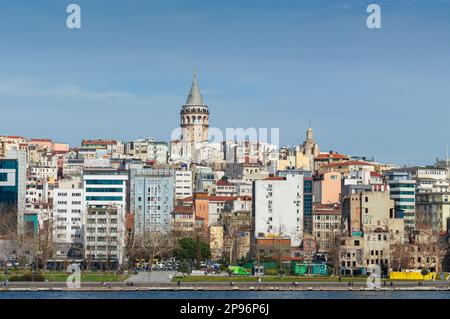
[351, 256]
[369, 218]
[183, 221]
[433, 209]
[326, 226]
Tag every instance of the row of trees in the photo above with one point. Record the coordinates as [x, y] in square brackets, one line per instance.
[36, 248]
[152, 244]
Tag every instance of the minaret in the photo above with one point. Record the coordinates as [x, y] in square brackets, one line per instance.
[194, 120]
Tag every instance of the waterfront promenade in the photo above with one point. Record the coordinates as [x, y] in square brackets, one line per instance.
[227, 286]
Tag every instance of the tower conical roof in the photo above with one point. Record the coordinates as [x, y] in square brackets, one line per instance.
[194, 97]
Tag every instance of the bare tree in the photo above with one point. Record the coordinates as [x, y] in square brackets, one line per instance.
[151, 244]
[19, 243]
[335, 250]
[399, 253]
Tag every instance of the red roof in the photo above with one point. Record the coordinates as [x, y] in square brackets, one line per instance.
[348, 163]
[98, 142]
[187, 199]
[326, 212]
[275, 178]
[183, 209]
[40, 140]
[331, 155]
[375, 174]
[221, 198]
[224, 183]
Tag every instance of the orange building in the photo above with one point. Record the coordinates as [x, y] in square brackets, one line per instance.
[327, 187]
[201, 207]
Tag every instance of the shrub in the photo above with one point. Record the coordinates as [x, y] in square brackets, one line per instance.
[271, 272]
[424, 272]
[27, 277]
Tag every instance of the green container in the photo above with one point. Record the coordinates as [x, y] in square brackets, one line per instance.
[237, 270]
[300, 269]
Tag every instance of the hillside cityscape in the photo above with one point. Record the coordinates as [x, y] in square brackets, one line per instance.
[232, 204]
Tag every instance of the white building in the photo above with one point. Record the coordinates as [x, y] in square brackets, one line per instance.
[278, 207]
[225, 188]
[183, 184]
[68, 209]
[148, 150]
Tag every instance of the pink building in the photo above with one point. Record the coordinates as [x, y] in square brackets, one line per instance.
[327, 187]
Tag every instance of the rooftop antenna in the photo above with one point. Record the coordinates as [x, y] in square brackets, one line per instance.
[446, 155]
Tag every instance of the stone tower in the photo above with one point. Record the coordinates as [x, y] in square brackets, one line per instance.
[194, 121]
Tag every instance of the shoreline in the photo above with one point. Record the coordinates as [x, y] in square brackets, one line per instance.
[274, 287]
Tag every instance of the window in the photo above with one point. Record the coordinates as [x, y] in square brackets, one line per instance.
[3, 177]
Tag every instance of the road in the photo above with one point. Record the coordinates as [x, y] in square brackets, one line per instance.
[153, 277]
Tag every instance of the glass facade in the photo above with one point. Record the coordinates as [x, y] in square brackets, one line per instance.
[104, 198]
[9, 193]
[104, 190]
[104, 182]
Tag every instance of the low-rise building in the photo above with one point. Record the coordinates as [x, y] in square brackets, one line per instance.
[326, 226]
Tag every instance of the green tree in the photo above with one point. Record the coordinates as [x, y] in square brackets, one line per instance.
[184, 268]
[198, 252]
[187, 249]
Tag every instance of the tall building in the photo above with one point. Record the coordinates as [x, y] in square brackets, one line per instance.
[403, 192]
[68, 232]
[278, 208]
[13, 185]
[152, 194]
[307, 196]
[105, 196]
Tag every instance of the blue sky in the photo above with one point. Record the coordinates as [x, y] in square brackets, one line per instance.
[127, 71]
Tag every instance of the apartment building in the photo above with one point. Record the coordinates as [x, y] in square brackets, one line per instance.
[68, 211]
[152, 193]
[105, 196]
[183, 184]
[278, 207]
